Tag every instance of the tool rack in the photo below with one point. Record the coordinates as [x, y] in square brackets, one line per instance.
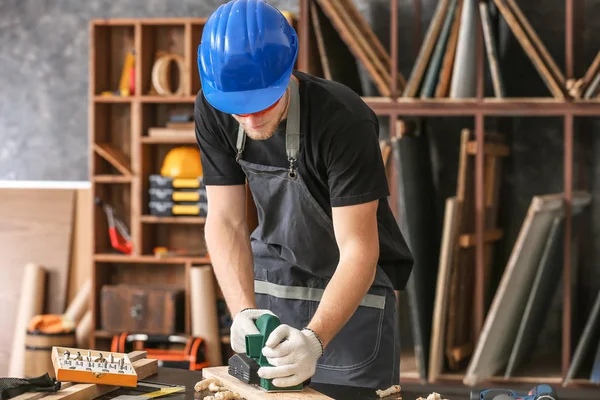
[119, 173]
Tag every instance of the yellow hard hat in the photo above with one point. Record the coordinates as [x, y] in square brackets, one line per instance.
[182, 162]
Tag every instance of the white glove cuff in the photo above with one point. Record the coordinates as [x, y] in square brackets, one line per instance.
[316, 345]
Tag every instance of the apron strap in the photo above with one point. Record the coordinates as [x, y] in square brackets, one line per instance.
[292, 130]
[241, 142]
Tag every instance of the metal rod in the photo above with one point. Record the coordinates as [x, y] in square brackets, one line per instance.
[394, 48]
[479, 226]
[569, 62]
[568, 197]
[479, 52]
[488, 107]
[304, 22]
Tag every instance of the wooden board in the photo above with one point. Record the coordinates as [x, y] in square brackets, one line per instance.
[440, 311]
[36, 228]
[420, 66]
[497, 337]
[554, 86]
[250, 392]
[115, 157]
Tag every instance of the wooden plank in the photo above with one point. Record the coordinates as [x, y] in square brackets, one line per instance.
[543, 70]
[537, 43]
[337, 60]
[353, 40]
[591, 72]
[489, 149]
[489, 36]
[469, 240]
[440, 311]
[114, 156]
[316, 24]
[443, 85]
[250, 392]
[372, 40]
[37, 226]
[492, 350]
[420, 66]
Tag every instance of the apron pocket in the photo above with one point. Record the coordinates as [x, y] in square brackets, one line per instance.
[357, 343]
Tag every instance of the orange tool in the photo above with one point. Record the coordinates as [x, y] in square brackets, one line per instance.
[164, 349]
[117, 231]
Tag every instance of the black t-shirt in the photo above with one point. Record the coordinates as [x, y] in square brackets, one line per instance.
[341, 163]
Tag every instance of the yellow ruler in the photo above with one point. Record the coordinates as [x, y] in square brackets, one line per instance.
[163, 392]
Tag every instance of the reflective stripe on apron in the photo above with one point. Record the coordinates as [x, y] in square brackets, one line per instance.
[295, 256]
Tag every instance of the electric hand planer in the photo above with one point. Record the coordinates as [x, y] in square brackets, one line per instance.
[245, 366]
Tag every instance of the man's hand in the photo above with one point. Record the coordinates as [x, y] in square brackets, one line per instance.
[293, 354]
[242, 325]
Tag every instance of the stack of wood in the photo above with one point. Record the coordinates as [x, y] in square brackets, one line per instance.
[343, 38]
[446, 65]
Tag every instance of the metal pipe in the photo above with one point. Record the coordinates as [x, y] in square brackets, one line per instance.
[479, 226]
[304, 27]
[568, 197]
[394, 49]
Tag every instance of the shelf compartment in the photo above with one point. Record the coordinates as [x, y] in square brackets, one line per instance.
[111, 134]
[142, 275]
[166, 40]
[171, 123]
[188, 238]
[110, 47]
[119, 198]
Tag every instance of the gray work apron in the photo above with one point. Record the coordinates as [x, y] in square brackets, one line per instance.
[296, 254]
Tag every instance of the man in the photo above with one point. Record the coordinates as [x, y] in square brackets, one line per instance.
[327, 253]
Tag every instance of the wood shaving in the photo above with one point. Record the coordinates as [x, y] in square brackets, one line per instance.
[215, 387]
[391, 390]
[205, 383]
[227, 395]
[209, 398]
[432, 396]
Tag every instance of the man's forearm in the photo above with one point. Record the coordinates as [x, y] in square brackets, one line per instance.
[346, 289]
[231, 256]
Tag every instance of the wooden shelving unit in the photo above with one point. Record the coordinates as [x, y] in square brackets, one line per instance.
[123, 122]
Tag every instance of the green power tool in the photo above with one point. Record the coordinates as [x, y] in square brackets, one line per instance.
[245, 366]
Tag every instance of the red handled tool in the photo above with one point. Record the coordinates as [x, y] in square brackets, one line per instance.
[117, 231]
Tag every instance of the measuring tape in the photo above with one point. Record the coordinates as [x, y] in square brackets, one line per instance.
[163, 392]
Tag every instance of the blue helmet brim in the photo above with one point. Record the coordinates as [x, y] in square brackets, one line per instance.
[247, 102]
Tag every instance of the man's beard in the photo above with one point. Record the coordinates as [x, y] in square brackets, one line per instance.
[265, 132]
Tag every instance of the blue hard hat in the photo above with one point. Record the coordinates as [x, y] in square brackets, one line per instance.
[246, 56]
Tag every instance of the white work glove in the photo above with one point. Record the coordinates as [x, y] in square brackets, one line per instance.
[293, 354]
[244, 324]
